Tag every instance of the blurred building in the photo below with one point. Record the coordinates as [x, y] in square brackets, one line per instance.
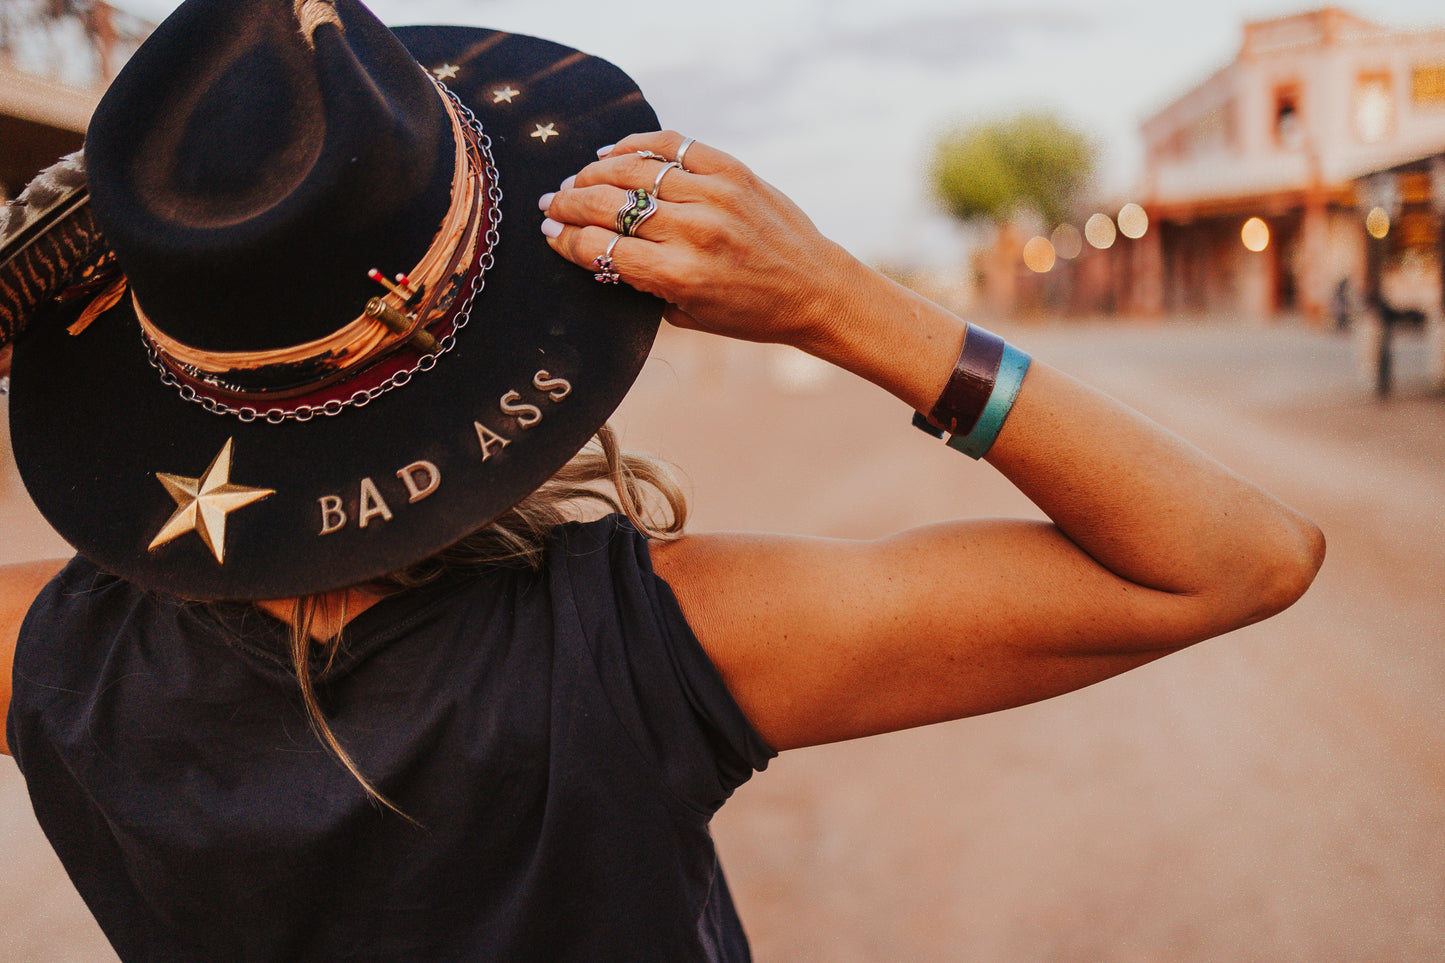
[56, 57]
[1404, 278]
[1251, 177]
[1404, 249]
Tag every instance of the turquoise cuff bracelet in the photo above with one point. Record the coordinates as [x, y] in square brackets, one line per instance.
[1011, 371]
[979, 394]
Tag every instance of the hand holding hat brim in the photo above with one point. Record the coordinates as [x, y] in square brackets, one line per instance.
[729, 252]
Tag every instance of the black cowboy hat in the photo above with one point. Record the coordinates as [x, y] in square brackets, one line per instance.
[251, 415]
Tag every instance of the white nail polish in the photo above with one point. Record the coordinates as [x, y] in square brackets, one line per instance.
[604, 151]
[569, 183]
[551, 228]
[546, 200]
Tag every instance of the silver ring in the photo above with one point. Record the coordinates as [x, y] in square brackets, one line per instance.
[657, 181]
[649, 155]
[603, 263]
[682, 151]
[4, 386]
[639, 207]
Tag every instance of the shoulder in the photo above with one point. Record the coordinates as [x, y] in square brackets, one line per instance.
[602, 547]
[596, 533]
[77, 604]
[32, 586]
[26, 588]
[731, 576]
[661, 684]
[79, 589]
[776, 614]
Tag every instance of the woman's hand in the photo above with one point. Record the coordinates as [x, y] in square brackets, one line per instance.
[729, 253]
[733, 256]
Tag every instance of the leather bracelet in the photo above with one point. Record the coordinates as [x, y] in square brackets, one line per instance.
[966, 394]
[1011, 370]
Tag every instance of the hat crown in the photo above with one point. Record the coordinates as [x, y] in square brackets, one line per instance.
[248, 169]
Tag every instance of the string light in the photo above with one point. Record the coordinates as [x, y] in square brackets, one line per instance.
[1039, 255]
[1255, 234]
[1377, 222]
[1067, 241]
[1133, 221]
[1099, 231]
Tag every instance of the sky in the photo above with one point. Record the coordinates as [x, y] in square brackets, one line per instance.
[839, 102]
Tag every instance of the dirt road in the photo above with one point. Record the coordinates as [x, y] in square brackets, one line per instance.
[1275, 795]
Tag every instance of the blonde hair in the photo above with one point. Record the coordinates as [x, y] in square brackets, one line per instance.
[639, 486]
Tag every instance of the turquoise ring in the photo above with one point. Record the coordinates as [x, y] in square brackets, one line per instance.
[639, 207]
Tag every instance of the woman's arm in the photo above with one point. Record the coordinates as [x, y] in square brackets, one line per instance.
[821, 640]
[1152, 546]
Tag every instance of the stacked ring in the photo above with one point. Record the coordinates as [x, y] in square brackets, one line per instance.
[603, 263]
[682, 151]
[657, 182]
[639, 207]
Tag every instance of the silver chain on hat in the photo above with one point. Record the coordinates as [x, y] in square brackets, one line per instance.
[359, 399]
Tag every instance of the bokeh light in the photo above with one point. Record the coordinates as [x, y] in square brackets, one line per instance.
[1068, 242]
[1377, 222]
[1039, 255]
[1255, 234]
[1133, 221]
[1099, 231]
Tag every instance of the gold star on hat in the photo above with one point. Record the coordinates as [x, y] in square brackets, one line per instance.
[202, 504]
[545, 131]
[445, 72]
[504, 94]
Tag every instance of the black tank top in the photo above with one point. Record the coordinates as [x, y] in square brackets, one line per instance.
[561, 738]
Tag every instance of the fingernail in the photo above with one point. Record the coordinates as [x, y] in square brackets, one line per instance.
[545, 201]
[604, 151]
[569, 183]
[551, 228]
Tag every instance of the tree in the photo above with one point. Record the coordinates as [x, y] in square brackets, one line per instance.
[990, 170]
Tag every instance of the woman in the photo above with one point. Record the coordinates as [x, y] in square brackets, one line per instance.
[519, 740]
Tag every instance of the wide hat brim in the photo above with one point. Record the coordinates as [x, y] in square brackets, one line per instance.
[94, 429]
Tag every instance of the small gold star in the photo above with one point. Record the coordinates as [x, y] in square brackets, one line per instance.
[445, 72]
[504, 93]
[550, 130]
[202, 504]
